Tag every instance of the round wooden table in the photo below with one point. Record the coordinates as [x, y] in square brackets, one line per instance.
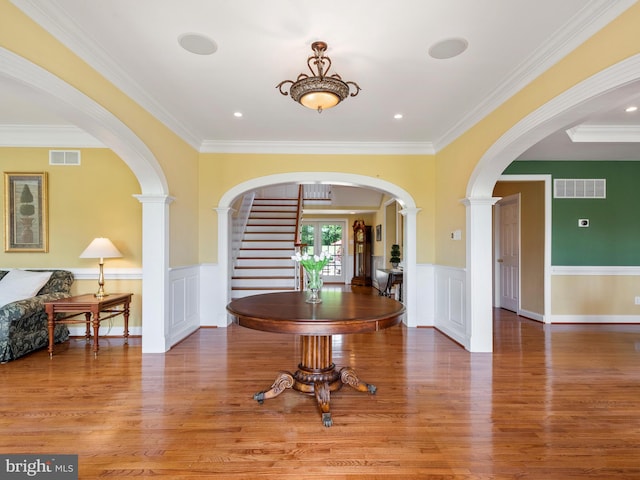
[339, 313]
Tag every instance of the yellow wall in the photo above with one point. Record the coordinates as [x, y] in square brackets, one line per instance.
[455, 163]
[378, 219]
[594, 294]
[94, 199]
[198, 181]
[221, 172]
[179, 161]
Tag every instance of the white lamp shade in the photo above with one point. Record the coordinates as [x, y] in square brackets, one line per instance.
[101, 248]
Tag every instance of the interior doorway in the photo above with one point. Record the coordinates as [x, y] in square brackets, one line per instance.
[534, 243]
[507, 253]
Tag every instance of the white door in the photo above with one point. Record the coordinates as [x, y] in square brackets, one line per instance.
[508, 253]
[330, 236]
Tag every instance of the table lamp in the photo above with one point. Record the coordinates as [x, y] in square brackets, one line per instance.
[101, 248]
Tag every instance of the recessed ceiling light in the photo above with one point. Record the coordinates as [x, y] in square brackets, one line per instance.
[630, 109]
[397, 116]
[237, 114]
[448, 48]
[197, 43]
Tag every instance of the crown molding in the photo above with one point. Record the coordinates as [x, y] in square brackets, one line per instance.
[592, 18]
[335, 148]
[47, 136]
[50, 16]
[605, 133]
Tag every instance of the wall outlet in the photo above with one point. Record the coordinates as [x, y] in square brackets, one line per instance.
[456, 235]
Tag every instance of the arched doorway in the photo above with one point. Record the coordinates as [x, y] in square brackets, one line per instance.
[72, 104]
[409, 211]
[589, 96]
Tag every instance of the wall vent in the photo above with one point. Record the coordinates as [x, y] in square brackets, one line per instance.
[580, 188]
[64, 157]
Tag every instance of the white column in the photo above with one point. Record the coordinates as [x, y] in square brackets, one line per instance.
[222, 287]
[479, 284]
[410, 287]
[155, 272]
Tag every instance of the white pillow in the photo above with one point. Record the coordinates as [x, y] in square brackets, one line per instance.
[20, 284]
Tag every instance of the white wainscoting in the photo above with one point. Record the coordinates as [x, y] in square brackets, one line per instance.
[195, 300]
[450, 291]
[213, 301]
[426, 299]
[106, 327]
[184, 295]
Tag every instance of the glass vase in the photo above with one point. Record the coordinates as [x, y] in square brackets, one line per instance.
[314, 285]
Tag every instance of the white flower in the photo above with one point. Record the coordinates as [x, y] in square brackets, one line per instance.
[315, 262]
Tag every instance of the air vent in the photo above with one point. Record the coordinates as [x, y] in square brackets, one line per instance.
[64, 157]
[580, 188]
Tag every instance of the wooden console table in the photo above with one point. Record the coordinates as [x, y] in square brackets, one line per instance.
[92, 308]
[394, 277]
[339, 313]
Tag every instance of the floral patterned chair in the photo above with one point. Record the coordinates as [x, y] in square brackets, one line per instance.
[23, 324]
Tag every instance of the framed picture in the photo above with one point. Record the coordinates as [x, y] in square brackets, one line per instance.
[25, 212]
[378, 233]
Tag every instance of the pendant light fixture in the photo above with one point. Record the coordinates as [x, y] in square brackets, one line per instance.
[319, 90]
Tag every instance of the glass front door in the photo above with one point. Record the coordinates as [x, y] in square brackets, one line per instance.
[326, 237]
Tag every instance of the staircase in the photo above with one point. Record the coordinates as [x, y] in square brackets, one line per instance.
[264, 262]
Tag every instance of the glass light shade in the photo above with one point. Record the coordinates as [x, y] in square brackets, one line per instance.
[101, 248]
[319, 100]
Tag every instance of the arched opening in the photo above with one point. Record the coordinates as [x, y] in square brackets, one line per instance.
[587, 97]
[402, 196]
[84, 112]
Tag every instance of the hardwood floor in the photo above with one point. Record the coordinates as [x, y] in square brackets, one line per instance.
[552, 402]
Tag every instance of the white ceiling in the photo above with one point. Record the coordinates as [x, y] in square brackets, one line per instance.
[382, 45]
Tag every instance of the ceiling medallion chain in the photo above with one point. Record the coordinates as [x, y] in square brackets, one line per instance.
[319, 90]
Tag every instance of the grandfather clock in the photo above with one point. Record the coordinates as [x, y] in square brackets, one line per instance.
[361, 254]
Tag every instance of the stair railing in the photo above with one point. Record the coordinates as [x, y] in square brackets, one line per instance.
[239, 225]
[298, 273]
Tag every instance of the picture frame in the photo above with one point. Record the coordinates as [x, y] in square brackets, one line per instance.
[378, 233]
[26, 212]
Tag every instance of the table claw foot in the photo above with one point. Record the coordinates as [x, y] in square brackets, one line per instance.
[326, 419]
[282, 382]
[323, 396]
[348, 376]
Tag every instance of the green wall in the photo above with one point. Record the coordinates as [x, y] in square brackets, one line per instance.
[613, 237]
